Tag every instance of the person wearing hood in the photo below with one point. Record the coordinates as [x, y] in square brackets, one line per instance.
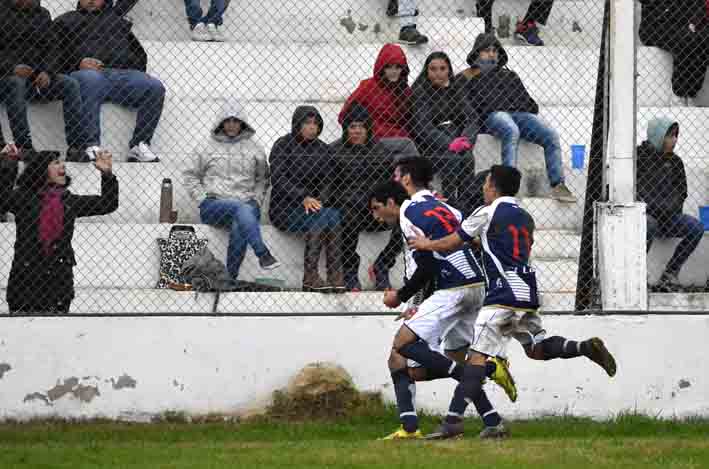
[41, 277]
[26, 40]
[662, 185]
[527, 31]
[95, 45]
[300, 162]
[362, 161]
[385, 95]
[509, 112]
[227, 178]
[445, 126]
[681, 27]
[206, 27]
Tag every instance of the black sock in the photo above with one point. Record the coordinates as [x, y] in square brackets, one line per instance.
[559, 347]
[437, 364]
[468, 390]
[490, 368]
[488, 413]
[404, 388]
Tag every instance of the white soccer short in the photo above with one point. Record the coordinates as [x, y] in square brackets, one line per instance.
[448, 315]
[495, 327]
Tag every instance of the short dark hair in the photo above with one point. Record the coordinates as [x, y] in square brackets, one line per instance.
[506, 179]
[419, 168]
[384, 191]
[34, 177]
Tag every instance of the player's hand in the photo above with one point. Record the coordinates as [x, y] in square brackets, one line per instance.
[419, 243]
[391, 299]
[311, 204]
[43, 80]
[23, 71]
[91, 64]
[104, 161]
[407, 314]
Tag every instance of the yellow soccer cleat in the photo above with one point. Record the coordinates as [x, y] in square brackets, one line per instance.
[402, 434]
[503, 377]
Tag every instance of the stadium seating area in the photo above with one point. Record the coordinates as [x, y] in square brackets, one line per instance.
[284, 53]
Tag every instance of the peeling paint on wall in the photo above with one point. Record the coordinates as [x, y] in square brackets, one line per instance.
[4, 368]
[683, 383]
[60, 390]
[36, 396]
[123, 381]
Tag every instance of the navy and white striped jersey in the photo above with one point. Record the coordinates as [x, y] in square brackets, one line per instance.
[507, 233]
[425, 215]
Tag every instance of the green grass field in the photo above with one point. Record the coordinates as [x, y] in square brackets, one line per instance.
[629, 441]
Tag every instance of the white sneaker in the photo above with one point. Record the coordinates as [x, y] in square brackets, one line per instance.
[215, 33]
[200, 33]
[141, 153]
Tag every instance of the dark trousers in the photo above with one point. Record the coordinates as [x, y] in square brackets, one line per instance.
[538, 12]
[456, 172]
[683, 226]
[354, 222]
[691, 57]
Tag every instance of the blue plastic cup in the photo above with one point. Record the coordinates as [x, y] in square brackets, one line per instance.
[704, 216]
[578, 155]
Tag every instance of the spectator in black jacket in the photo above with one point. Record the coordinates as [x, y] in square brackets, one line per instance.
[95, 45]
[361, 162]
[25, 42]
[300, 162]
[509, 112]
[680, 27]
[662, 185]
[527, 31]
[445, 126]
[41, 278]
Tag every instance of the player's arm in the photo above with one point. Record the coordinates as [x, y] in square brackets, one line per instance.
[425, 273]
[470, 229]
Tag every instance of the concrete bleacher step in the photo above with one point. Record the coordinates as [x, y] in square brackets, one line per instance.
[313, 22]
[127, 256]
[147, 301]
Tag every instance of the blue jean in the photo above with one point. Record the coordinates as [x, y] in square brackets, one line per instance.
[130, 88]
[15, 92]
[682, 226]
[242, 219]
[300, 222]
[511, 126]
[214, 15]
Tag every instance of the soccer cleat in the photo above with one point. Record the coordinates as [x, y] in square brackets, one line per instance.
[402, 434]
[503, 377]
[447, 431]
[496, 432]
[599, 354]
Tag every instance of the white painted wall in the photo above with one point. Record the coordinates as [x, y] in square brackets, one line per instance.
[200, 365]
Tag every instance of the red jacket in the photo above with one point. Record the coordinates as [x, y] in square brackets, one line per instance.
[387, 106]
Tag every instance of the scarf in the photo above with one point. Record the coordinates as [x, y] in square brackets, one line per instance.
[51, 218]
[486, 65]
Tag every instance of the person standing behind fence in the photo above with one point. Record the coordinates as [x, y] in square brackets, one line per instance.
[227, 178]
[386, 95]
[509, 112]
[95, 45]
[445, 126]
[206, 27]
[41, 278]
[407, 12]
[527, 31]
[680, 27]
[662, 185]
[300, 162]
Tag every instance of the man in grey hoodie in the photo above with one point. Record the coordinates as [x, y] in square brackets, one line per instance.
[662, 185]
[227, 179]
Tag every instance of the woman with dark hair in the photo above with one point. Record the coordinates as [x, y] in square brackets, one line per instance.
[385, 95]
[41, 279]
[445, 126]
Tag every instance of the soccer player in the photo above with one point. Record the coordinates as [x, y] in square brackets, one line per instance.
[511, 303]
[449, 312]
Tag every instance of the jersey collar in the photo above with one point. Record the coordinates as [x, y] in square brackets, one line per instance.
[422, 195]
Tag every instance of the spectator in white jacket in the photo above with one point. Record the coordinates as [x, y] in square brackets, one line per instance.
[227, 178]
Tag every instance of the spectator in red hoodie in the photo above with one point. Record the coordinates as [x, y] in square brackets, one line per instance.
[385, 95]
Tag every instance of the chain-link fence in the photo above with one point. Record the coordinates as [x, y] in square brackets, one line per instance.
[272, 122]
